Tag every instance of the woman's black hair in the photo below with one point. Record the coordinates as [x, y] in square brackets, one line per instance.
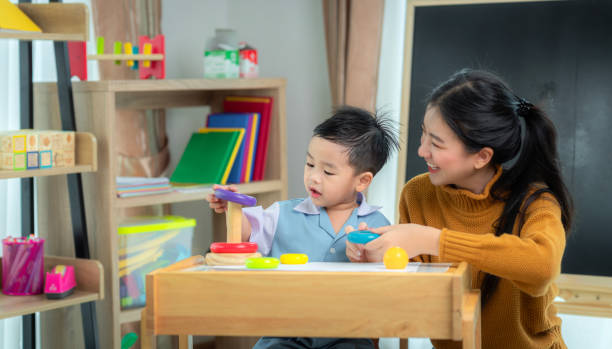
[370, 138]
[484, 112]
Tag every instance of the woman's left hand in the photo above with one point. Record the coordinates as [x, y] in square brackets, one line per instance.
[415, 239]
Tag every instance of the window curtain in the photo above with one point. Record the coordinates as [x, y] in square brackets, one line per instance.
[353, 35]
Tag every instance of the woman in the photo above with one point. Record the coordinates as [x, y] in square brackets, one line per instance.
[509, 222]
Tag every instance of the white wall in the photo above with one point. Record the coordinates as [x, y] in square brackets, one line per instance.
[289, 36]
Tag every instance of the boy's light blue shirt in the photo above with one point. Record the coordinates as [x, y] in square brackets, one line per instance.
[299, 226]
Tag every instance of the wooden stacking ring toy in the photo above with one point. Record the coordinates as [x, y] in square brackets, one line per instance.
[361, 236]
[238, 198]
[230, 247]
[262, 263]
[233, 251]
[294, 258]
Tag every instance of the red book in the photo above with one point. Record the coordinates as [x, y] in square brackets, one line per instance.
[263, 106]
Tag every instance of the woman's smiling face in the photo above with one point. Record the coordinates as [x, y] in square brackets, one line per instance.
[447, 159]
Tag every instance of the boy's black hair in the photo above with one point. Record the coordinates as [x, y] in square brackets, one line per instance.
[369, 138]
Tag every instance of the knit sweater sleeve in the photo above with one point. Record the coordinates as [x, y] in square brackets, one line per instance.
[531, 260]
[408, 193]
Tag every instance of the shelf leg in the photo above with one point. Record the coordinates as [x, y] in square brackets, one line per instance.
[75, 187]
[27, 184]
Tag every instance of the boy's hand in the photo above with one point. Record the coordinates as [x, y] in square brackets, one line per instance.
[356, 252]
[219, 205]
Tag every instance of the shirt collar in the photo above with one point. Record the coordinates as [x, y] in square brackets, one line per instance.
[308, 207]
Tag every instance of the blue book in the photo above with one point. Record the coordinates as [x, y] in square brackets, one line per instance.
[237, 121]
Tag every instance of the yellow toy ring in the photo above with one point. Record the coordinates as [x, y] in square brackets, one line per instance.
[262, 263]
[294, 258]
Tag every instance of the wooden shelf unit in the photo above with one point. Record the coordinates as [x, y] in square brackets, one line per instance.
[58, 22]
[86, 160]
[89, 277]
[96, 104]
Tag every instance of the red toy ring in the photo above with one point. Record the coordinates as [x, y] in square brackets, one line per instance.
[233, 247]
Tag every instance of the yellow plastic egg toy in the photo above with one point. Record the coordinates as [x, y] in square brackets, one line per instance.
[395, 258]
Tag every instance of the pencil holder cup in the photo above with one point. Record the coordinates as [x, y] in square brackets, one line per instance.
[22, 266]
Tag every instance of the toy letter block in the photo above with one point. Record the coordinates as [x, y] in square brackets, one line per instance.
[44, 140]
[46, 159]
[77, 51]
[6, 161]
[58, 158]
[32, 142]
[157, 68]
[33, 158]
[6, 143]
[19, 143]
[19, 161]
[69, 158]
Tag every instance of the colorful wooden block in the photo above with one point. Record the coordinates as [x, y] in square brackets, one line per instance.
[45, 140]
[6, 161]
[69, 140]
[58, 158]
[69, 158]
[6, 143]
[19, 161]
[19, 143]
[32, 141]
[46, 159]
[33, 160]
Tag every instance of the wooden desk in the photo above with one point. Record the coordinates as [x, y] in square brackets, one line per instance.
[310, 304]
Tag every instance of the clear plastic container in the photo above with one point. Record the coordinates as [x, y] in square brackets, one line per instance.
[147, 244]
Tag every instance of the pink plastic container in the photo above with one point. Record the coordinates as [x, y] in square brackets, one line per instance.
[22, 266]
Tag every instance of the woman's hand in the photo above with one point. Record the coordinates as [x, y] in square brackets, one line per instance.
[219, 205]
[415, 239]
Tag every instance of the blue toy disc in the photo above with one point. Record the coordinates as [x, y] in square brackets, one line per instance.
[361, 236]
[235, 197]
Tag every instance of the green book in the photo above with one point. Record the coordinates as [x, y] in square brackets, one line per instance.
[208, 157]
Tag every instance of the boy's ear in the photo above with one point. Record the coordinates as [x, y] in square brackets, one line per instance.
[363, 180]
[483, 157]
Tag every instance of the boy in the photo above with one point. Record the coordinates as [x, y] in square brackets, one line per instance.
[344, 154]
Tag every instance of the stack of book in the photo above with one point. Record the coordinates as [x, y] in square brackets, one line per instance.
[137, 186]
[233, 146]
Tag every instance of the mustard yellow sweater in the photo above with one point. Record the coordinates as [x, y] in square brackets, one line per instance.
[520, 313]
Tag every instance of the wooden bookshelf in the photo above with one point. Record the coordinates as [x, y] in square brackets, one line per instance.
[90, 287]
[197, 194]
[86, 160]
[97, 104]
[58, 22]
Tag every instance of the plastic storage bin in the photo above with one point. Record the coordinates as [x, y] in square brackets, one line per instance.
[147, 244]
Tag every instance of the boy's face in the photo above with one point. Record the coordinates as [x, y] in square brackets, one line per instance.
[329, 179]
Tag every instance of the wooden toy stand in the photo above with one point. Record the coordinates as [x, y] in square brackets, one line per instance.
[233, 220]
